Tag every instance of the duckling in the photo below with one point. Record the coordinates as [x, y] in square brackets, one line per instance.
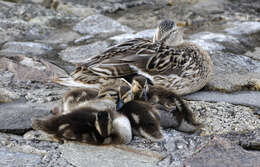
[93, 97]
[105, 102]
[168, 61]
[88, 125]
[83, 124]
[144, 119]
[72, 98]
[165, 101]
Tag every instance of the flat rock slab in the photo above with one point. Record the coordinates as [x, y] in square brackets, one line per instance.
[25, 69]
[82, 155]
[146, 34]
[16, 118]
[78, 54]
[247, 98]
[26, 48]
[7, 95]
[10, 159]
[223, 118]
[220, 152]
[99, 24]
[244, 28]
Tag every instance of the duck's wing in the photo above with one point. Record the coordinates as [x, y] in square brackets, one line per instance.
[124, 48]
[147, 59]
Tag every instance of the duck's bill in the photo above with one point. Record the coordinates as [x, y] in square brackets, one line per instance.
[119, 105]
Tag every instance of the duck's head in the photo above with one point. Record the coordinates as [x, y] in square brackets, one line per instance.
[168, 33]
[119, 94]
[103, 123]
[140, 87]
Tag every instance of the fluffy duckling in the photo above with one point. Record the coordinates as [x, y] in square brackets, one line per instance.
[73, 98]
[144, 119]
[88, 125]
[165, 101]
[84, 124]
[82, 108]
[105, 98]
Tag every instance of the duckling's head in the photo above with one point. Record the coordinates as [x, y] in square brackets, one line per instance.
[103, 123]
[109, 93]
[140, 87]
[119, 94]
[168, 33]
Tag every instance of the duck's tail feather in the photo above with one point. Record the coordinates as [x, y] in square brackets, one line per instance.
[70, 82]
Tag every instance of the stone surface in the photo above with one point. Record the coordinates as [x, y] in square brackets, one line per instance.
[86, 155]
[25, 48]
[25, 69]
[9, 158]
[146, 34]
[249, 140]
[220, 152]
[108, 6]
[222, 118]
[212, 41]
[247, 98]
[7, 95]
[244, 28]
[79, 53]
[99, 24]
[16, 118]
[228, 30]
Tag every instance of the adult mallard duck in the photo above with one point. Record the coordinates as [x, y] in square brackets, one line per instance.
[167, 61]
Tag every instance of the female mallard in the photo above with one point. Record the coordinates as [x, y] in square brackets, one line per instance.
[167, 61]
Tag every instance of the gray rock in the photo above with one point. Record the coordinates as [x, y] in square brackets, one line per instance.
[22, 72]
[146, 34]
[223, 118]
[10, 159]
[208, 45]
[254, 54]
[16, 118]
[5, 77]
[49, 155]
[247, 98]
[76, 9]
[108, 156]
[80, 53]
[7, 95]
[25, 69]
[85, 39]
[25, 48]
[61, 37]
[220, 152]
[249, 140]
[234, 73]
[110, 6]
[213, 41]
[16, 29]
[100, 25]
[244, 28]
[175, 147]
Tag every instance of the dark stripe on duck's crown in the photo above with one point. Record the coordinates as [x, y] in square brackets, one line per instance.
[166, 25]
